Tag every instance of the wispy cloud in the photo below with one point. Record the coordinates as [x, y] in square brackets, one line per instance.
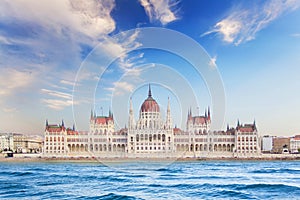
[56, 99]
[296, 35]
[91, 18]
[242, 25]
[66, 82]
[54, 93]
[13, 81]
[121, 88]
[163, 11]
[57, 104]
[9, 110]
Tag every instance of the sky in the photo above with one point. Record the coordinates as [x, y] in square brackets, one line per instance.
[60, 59]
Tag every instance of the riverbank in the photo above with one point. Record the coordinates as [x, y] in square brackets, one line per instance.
[40, 158]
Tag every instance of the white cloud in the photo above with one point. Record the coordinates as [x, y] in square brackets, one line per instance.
[160, 10]
[242, 25]
[13, 81]
[212, 62]
[4, 40]
[57, 104]
[62, 95]
[120, 88]
[66, 82]
[91, 18]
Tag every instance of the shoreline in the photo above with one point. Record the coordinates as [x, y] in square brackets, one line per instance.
[20, 159]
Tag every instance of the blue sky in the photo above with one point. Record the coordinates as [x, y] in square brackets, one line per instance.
[46, 46]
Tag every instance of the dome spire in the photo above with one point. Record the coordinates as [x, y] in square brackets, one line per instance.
[149, 92]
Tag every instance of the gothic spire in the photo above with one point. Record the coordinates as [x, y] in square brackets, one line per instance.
[149, 92]
[62, 123]
[109, 113]
[46, 122]
[168, 110]
[131, 107]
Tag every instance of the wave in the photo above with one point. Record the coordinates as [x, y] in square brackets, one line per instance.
[261, 186]
[16, 173]
[267, 171]
[116, 197]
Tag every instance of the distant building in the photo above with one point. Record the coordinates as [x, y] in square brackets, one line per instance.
[27, 144]
[6, 142]
[295, 144]
[267, 143]
[280, 143]
[150, 135]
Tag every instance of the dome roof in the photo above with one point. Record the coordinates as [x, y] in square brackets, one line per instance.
[150, 105]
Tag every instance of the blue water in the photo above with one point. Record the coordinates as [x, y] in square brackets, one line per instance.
[180, 180]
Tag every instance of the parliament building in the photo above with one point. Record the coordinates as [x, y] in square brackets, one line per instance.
[151, 136]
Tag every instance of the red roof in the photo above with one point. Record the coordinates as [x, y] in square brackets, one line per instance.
[71, 132]
[246, 129]
[297, 137]
[150, 105]
[103, 120]
[177, 130]
[55, 128]
[199, 120]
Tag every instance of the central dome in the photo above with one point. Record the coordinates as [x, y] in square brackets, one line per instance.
[150, 105]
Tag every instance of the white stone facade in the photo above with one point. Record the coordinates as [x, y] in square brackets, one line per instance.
[295, 144]
[247, 140]
[150, 135]
[6, 142]
[267, 143]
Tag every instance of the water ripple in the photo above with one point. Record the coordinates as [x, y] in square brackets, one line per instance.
[181, 180]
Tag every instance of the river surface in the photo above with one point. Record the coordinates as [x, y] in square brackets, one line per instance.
[179, 180]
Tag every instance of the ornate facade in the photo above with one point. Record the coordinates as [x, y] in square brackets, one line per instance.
[151, 135]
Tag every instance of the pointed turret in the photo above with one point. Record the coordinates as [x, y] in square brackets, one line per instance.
[227, 127]
[91, 113]
[190, 114]
[168, 109]
[109, 113]
[130, 106]
[73, 127]
[149, 91]
[238, 123]
[168, 120]
[62, 123]
[208, 113]
[131, 122]
[46, 122]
